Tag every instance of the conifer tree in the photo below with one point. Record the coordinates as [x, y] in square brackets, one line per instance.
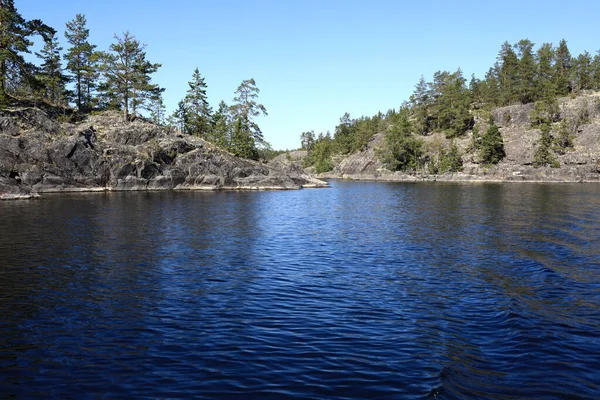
[490, 87]
[452, 162]
[245, 109]
[526, 72]
[542, 156]
[401, 151]
[15, 33]
[242, 142]
[179, 117]
[81, 62]
[50, 73]
[563, 69]
[545, 83]
[198, 109]
[127, 73]
[322, 153]
[307, 140]
[343, 135]
[582, 72]
[219, 134]
[491, 148]
[507, 74]
[420, 102]
[157, 109]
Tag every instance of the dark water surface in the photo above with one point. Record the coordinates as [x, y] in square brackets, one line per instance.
[364, 290]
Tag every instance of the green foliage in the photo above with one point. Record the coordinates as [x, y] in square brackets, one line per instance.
[491, 145]
[242, 143]
[582, 72]
[343, 135]
[82, 62]
[542, 156]
[220, 133]
[442, 104]
[545, 112]
[246, 108]
[157, 110]
[50, 75]
[402, 151]
[322, 154]
[451, 161]
[16, 74]
[563, 65]
[127, 75]
[564, 138]
[526, 72]
[443, 160]
[307, 140]
[197, 110]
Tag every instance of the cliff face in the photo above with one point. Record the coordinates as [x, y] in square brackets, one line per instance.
[580, 163]
[38, 154]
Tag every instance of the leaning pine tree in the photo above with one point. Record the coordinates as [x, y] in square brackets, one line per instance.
[246, 134]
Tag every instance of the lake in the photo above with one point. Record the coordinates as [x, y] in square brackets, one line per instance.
[363, 290]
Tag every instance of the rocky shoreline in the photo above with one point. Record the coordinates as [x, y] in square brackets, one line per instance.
[581, 163]
[104, 153]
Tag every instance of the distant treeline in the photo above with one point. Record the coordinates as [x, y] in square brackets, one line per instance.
[117, 79]
[449, 104]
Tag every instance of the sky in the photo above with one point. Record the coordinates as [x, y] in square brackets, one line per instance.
[314, 60]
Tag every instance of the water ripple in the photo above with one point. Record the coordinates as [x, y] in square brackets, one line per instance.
[362, 291]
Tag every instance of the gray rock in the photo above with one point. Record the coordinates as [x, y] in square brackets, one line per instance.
[118, 155]
[581, 163]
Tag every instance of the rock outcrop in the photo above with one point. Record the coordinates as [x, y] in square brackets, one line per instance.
[38, 154]
[578, 164]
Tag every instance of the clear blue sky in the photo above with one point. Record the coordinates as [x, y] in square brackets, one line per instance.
[314, 60]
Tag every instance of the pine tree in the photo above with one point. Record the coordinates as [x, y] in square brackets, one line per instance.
[50, 73]
[545, 83]
[563, 65]
[127, 74]
[198, 109]
[307, 140]
[420, 103]
[491, 148]
[582, 72]
[242, 142]
[526, 72]
[343, 135]
[596, 72]
[179, 117]
[157, 110]
[542, 156]
[450, 104]
[507, 74]
[322, 153]
[452, 161]
[490, 87]
[220, 132]
[81, 62]
[15, 32]
[401, 150]
[245, 109]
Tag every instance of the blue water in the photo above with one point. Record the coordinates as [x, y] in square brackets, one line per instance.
[363, 290]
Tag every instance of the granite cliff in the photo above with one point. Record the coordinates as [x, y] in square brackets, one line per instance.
[102, 152]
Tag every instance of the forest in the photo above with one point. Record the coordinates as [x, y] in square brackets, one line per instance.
[449, 103]
[83, 79]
